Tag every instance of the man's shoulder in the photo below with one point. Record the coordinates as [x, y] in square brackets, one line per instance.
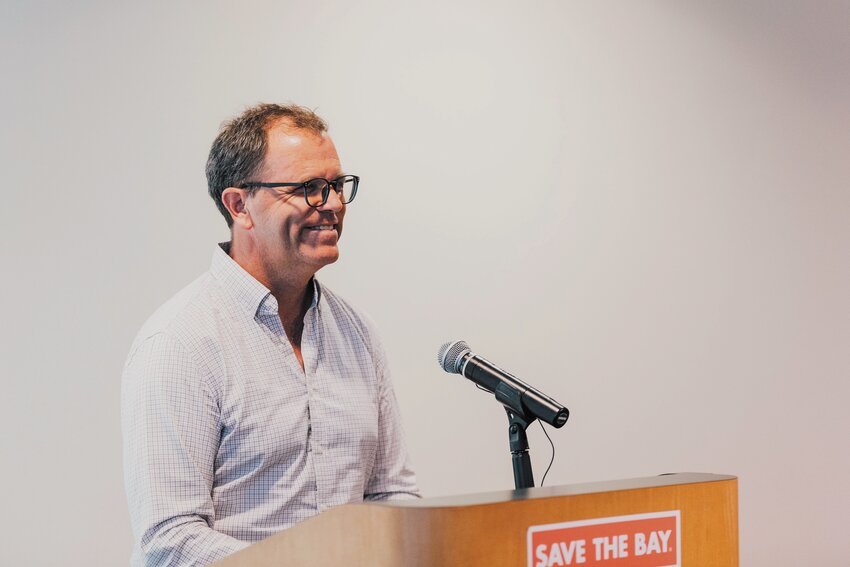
[185, 315]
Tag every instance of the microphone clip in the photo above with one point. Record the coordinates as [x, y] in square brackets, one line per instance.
[511, 398]
[518, 441]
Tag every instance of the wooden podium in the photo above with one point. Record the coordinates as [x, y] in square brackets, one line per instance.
[690, 520]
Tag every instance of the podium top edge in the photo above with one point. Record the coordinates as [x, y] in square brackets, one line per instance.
[482, 498]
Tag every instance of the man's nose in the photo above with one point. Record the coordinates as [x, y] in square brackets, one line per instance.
[333, 202]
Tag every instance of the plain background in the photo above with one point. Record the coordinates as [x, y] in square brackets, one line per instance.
[639, 207]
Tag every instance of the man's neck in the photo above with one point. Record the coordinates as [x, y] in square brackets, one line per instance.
[293, 300]
[290, 287]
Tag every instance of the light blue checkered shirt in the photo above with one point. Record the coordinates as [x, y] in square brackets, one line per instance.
[227, 440]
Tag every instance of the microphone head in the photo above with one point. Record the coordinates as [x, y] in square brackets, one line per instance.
[450, 355]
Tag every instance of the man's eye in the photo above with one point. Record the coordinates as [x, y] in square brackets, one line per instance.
[315, 185]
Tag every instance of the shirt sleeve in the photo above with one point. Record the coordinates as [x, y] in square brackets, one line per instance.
[171, 423]
[392, 476]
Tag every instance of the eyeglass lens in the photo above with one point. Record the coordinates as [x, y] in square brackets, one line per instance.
[316, 190]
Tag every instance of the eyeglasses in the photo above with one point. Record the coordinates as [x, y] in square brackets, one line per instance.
[316, 190]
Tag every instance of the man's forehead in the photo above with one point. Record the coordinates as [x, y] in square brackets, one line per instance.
[292, 147]
[296, 137]
[286, 137]
[283, 127]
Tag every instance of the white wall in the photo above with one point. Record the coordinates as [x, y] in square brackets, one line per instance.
[641, 208]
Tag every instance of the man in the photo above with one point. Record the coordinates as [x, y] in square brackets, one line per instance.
[257, 397]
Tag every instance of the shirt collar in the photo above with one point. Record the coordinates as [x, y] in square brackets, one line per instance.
[251, 294]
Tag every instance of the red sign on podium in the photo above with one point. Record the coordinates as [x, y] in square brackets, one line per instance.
[639, 540]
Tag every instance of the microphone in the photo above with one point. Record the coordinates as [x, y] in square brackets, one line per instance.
[517, 396]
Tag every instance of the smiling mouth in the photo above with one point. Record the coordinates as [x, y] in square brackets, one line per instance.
[322, 227]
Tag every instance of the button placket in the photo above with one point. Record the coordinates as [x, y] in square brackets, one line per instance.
[310, 354]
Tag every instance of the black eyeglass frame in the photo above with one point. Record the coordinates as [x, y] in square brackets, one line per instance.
[326, 190]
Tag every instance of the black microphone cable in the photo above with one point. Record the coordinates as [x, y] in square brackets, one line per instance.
[551, 460]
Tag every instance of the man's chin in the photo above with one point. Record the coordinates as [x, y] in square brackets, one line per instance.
[324, 257]
[331, 259]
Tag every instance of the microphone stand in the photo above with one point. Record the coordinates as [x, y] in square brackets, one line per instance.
[517, 424]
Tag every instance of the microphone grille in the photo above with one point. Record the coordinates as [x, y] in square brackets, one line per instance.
[450, 354]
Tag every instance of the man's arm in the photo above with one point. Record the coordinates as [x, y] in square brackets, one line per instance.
[171, 432]
[392, 476]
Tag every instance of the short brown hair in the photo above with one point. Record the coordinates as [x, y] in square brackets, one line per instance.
[238, 151]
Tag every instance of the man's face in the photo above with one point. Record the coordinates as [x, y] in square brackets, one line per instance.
[290, 236]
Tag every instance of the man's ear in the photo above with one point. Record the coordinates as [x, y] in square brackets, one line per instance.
[234, 201]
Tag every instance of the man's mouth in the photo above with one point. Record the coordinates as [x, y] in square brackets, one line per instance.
[322, 227]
